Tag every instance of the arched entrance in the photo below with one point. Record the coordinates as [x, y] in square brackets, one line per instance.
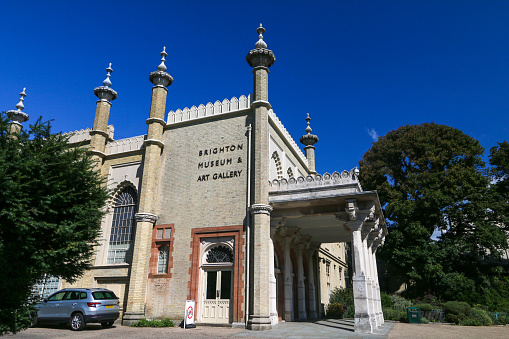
[217, 280]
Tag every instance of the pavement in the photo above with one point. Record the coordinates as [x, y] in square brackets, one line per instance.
[327, 328]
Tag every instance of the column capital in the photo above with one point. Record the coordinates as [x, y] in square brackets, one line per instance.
[260, 209]
[146, 217]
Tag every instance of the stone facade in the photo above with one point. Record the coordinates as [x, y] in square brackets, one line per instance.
[218, 204]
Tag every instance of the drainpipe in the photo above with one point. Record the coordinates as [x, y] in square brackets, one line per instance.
[248, 220]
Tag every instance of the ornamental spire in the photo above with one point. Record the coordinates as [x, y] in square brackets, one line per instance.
[17, 115]
[308, 139]
[260, 55]
[105, 92]
[162, 66]
[160, 78]
[260, 43]
[107, 81]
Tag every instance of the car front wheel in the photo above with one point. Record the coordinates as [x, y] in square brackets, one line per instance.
[77, 322]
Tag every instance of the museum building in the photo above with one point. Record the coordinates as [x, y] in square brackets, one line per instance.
[218, 204]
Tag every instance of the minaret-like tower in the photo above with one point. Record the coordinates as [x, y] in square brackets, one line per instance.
[260, 59]
[99, 134]
[309, 140]
[17, 116]
[147, 217]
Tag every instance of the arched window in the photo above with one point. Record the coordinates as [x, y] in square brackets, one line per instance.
[122, 227]
[220, 254]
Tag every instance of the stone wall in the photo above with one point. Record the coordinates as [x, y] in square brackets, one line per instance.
[203, 183]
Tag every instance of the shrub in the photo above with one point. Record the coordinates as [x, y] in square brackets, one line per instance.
[396, 315]
[335, 310]
[386, 300]
[166, 322]
[477, 318]
[424, 321]
[457, 307]
[424, 307]
[345, 297]
[400, 303]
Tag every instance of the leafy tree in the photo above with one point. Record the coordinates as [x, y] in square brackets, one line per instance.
[499, 160]
[51, 202]
[432, 178]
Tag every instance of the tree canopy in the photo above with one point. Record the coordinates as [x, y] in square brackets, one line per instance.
[435, 189]
[51, 205]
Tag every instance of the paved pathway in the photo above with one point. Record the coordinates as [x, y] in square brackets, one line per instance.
[321, 329]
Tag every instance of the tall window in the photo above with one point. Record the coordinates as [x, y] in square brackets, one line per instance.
[46, 286]
[160, 259]
[122, 227]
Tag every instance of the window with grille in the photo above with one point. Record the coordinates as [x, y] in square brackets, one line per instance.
[122, 227]
[220, 254]
[161, 260]
[46, 286]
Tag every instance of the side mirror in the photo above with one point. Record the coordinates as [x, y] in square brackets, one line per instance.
[45, 300]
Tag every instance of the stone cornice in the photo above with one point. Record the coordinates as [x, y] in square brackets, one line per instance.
[96, 131]
[158, 120]
[259, 103]
[260, 209]
[105, 93]
[96, 152]
[149, 142]
[146, 217]
[260, 57]
[160, 79]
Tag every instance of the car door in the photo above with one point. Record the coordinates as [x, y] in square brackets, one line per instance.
[50, 309]
[68, 304]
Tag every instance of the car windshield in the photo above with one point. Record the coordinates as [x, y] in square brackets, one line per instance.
[102, 295]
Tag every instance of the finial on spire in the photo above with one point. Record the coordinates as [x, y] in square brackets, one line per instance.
[105, 92]
[308, 139]
[162, 66]
[107, 81]
[160, 78]
[260, 43]
[308, 129]
[16, 115]
[20, 105]
[260, 55]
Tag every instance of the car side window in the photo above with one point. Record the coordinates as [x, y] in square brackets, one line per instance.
[72, 295]
[57, 296]
[83, 295]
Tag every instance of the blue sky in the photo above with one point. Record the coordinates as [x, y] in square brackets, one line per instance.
[360, 68]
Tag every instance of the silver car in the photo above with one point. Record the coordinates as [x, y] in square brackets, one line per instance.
[78, 307]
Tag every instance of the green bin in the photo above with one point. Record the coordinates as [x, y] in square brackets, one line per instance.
[414, 315]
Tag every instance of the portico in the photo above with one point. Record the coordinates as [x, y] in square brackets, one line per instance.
[320, 209]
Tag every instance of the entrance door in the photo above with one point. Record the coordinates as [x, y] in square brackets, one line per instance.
[218, 292]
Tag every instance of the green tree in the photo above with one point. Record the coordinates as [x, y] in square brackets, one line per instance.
[51, 203]
[499, 160]
[431, 178]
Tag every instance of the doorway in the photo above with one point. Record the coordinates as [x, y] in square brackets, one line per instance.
[217, 296]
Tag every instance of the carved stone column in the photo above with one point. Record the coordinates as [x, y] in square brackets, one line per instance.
[362, 321]
[99, 133]
[273, 286]
[260, 59]
[147, 217]
[311, 284]
[289, 311]
[369, 283]
[301, 283]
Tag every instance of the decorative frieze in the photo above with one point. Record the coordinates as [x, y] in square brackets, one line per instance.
[317, 180]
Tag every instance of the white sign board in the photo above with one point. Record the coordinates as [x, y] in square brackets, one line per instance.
[189, 314]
